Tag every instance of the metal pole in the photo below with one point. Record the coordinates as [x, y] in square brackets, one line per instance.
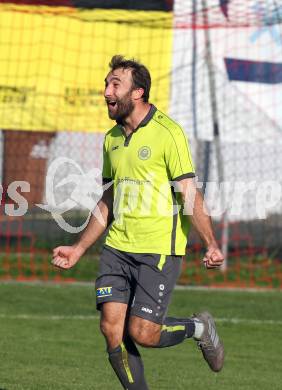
[216, 133]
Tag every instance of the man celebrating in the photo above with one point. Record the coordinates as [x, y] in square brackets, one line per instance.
[147, 160]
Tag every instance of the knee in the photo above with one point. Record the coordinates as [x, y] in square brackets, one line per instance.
[144, 336]
[112, 332]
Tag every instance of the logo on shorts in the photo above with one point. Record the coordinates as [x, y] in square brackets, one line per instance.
[161, 287]
[146, 310]
[104, 292]
[144, 153]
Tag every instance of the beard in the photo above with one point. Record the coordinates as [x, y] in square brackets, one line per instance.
[124, 107]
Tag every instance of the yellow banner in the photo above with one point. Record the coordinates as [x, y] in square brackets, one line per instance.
[54, 61]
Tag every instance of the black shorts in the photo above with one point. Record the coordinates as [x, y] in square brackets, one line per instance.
[144, 281]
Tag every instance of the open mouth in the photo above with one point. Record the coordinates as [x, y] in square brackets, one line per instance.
[111, 103]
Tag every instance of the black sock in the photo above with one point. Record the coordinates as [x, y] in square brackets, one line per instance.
[128, 366]
[175, 330]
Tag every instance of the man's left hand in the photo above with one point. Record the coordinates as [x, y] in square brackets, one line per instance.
[213, 257]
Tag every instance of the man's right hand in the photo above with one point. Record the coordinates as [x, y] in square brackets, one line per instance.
[66, 257]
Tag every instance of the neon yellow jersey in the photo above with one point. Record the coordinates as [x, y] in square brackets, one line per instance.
[147, 211]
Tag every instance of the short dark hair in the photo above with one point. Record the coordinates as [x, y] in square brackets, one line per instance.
[140, 74]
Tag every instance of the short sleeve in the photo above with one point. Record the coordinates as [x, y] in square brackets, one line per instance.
[107, 171]
[178, 156]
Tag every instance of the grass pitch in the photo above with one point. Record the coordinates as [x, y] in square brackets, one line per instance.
[50, 340]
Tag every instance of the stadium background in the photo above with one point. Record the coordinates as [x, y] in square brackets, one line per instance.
[216, 67]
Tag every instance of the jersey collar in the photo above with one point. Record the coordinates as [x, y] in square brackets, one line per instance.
[144, 121]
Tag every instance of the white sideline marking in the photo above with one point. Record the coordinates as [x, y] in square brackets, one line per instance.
[249, 321]
[96, 317]
[177, 287]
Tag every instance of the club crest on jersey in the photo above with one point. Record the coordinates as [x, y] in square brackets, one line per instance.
[144, 153]
[104, 292]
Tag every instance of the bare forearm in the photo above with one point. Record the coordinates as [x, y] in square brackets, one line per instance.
[194, 206]
[202, 221]
[65, 257]
[98, 223]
